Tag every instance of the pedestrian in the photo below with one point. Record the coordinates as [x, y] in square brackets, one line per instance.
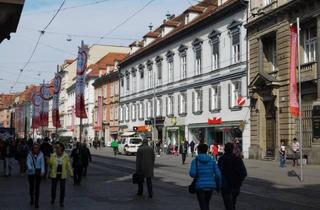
[86, 158]
[2, 153]
[215, 151]
[233, 173]
[145, 167]
[9, 155]
[295, 149]
[158, 147]
[77, 163]
[22, 150]
[47, 150]
[282, 153]
[237, 147]
[115, 145]
[36, 169]
[59, 168]
[192, 145]
[183, 151]
[207, 174]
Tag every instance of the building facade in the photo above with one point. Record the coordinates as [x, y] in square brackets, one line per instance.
[193, 67]
[269, 35]
[6, 101]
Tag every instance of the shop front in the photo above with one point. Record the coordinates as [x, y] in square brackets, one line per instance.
[175, 135]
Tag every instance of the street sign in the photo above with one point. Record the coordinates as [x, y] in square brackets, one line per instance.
[316, 121]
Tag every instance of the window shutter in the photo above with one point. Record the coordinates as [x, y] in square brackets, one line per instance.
[210, 99]
[193, 101]
[229, 95]
[219, 96]
[201, 100]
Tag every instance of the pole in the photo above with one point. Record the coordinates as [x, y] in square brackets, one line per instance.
[80, 126]
[300, 102]
[57, 105]
[154, 109]
[42, 130]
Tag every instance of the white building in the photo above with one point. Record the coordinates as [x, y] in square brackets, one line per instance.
[67, 95]
[197, 66]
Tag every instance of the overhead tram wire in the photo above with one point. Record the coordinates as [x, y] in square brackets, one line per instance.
[36, 46]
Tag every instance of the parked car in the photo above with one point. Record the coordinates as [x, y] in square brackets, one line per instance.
[129, 145]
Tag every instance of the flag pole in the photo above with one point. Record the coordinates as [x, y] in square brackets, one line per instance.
[300, 102]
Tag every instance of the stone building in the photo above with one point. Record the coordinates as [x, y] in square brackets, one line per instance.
[269, 36]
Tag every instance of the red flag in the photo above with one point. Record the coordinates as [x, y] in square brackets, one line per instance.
[36, 101]
[81, 82]
[293, 89]
[55, 102]
[44, 109]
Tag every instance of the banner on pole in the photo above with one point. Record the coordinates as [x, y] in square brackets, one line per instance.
[293, 89]
[36, 102]
[99, 116]
[44, 109]
[81, 82]
[55, 102]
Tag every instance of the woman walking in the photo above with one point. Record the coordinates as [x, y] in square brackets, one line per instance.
[60, 166]
[207, 174]
[35, 165]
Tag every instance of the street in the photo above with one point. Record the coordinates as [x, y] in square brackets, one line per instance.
[108, 186]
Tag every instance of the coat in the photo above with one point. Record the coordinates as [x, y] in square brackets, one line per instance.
[233, 172]
[34, 163]
[66, 166]
[206, 172]
[145, 161]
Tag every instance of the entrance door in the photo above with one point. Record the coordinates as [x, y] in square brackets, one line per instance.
[270, 129]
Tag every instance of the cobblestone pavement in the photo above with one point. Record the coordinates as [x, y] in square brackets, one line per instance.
[108, 187]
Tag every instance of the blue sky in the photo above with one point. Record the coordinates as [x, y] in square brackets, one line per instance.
[92, 21]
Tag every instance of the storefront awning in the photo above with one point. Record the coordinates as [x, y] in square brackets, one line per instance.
[222, 125]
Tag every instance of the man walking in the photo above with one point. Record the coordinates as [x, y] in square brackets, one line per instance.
[295, 149]
[233, 173]
[192, 145]
[145, 166]
[77, 163]
[183, 151]
[47, 150]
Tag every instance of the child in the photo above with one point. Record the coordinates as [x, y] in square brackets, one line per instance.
[282, 151]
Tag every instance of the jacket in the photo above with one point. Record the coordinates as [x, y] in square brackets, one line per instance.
[114, 144]
[206, 172]
[66, 166]
[34, 163]
[233, 172]
[145, 161]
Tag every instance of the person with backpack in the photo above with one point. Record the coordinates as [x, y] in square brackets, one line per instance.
[233, 173]
[36, 169]
[207, 174]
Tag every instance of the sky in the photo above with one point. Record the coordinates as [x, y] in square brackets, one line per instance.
[86, 23]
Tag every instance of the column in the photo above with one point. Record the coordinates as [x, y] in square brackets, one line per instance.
[318, 58]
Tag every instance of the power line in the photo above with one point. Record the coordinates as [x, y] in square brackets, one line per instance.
[36, 46]
[70, 7]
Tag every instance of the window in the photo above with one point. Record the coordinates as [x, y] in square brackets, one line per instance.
[234, 92]
[116, 112]
[182, 103]
[133, 112]
[215, 49]
[141, 108]
[150, 74]
[270, 53]
[127, 112]
[310, 44]
[170, 60]
[235, 46]
[149, 109]
[134, 80]
[122, 85]
[197, 101]
[121, 114]
[215, 98]
[169, 105]
[267, 2]
[128, 83]
[158, 107]
[159, 72]
[197, 47]
[141, 70]
[183, 61]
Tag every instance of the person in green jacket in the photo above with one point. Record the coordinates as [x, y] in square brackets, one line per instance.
[60, 166]
[115, 146]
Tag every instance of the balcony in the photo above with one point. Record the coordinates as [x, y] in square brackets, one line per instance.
[308, 72]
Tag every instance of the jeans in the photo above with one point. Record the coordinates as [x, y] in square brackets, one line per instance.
[184, 156]
[34, 188]
[230, 198]
[115, 151]
[77, 171]
[8, 165]
[149, 185]
[282, 161]
[54, 184]
[204, 197]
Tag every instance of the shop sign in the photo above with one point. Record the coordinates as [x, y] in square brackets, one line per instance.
[172, 128]
[316, 122]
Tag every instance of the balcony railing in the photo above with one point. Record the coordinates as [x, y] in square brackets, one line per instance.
[308, 72]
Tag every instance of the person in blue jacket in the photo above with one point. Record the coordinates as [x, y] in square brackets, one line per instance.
[35, 169]
[207, 174]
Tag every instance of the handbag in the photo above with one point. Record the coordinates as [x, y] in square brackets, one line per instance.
[192, 186]
[137, 178]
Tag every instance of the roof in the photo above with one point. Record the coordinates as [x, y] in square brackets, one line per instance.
[6, 100]
[211, 12]
[107, 60]
[26, 95]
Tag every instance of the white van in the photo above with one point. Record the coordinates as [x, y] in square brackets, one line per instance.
[129, 145]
